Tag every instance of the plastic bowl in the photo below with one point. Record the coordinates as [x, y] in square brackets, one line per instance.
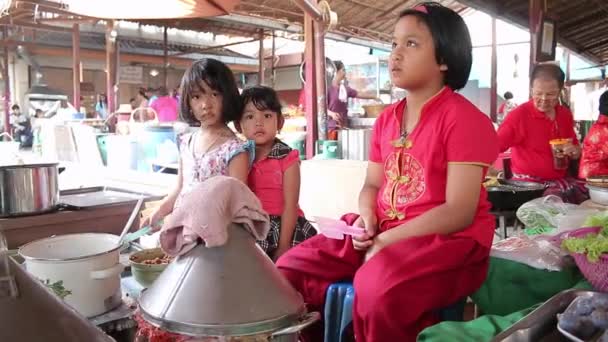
[146, 274]
[598, 195]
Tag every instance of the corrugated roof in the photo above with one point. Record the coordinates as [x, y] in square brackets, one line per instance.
[582, 24]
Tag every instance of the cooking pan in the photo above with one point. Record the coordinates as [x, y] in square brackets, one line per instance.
[510, 194]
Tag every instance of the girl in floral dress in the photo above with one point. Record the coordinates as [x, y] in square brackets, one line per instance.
[209, 99]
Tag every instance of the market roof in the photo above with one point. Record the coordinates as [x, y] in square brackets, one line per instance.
[582, 25]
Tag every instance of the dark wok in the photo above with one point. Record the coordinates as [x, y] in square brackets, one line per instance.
[510, 194]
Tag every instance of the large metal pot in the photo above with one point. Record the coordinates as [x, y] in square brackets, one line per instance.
[228, 293]
[87, 265]
[510, 194]
[31, 313]
[28, 189]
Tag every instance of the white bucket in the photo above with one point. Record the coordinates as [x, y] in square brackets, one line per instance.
[87, 265]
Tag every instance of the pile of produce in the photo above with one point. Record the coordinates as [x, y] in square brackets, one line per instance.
[593, 245]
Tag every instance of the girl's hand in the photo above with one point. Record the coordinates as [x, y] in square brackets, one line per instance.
[280, 251]
[365, 241]
[376, 247]
[154, 220]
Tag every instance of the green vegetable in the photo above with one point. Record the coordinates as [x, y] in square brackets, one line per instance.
[57, 288]
[593, 245]
[599, 220]
[538, 230]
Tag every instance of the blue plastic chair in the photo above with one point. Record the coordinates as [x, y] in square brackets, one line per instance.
[338, 312]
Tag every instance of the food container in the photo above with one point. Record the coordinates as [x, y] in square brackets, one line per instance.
[583, 306]
[598, 195]
[510, 194]
[28, 188]
[85, 265]
[147, 265]
[561, 161]
[541, 324]
[239, 294]
[598, 181]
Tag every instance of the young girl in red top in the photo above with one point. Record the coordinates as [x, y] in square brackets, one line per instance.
[428, 230]
[275, 174]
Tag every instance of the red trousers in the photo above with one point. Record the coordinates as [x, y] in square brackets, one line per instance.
[398, 291]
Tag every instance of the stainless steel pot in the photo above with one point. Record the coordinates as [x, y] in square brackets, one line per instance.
[28, 189]
[226, 293]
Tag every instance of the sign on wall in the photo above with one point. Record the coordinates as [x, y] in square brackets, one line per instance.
[131, 74]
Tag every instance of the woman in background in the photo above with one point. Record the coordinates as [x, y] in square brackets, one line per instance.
[594, 160]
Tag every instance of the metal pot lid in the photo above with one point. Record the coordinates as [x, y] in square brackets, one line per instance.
[231, 290]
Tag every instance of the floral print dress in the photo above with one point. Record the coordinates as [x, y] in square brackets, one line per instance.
[198, 167]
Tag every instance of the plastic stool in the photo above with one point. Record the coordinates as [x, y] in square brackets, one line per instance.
[338, 312]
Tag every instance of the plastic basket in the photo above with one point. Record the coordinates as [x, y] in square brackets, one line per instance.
[596, 273]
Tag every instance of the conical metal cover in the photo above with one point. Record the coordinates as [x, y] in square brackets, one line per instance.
[231, 290]
[35, 314]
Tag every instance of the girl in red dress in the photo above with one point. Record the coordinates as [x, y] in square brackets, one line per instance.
[428, 229]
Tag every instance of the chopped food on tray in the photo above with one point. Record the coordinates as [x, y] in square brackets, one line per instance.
[164, 259]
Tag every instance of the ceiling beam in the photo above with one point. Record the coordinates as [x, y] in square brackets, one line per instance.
[271, 24]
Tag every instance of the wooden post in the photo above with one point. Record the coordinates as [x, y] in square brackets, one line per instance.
[272, 76]
[567, 53]
[165, 59]
[7, 84]
[310, 86]
[76, 65]
[110, 65]
[261, 59]
[116, 73]
[534, 15]
[493, 75]
[320, 80]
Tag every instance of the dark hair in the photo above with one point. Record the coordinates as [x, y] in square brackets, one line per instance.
[162, 91]
[339, 65]
[604, 103]
[549, 71]
[508, 95]
[219, 78]
[451, 38]
[142, 92]
[263, 98]
[38, 110]
[15, 107]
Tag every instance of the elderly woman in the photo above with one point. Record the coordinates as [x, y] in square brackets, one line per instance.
[529, 130]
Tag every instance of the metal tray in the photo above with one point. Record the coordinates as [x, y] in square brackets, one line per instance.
[571, 336]
[541, 324]
[100, 197]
